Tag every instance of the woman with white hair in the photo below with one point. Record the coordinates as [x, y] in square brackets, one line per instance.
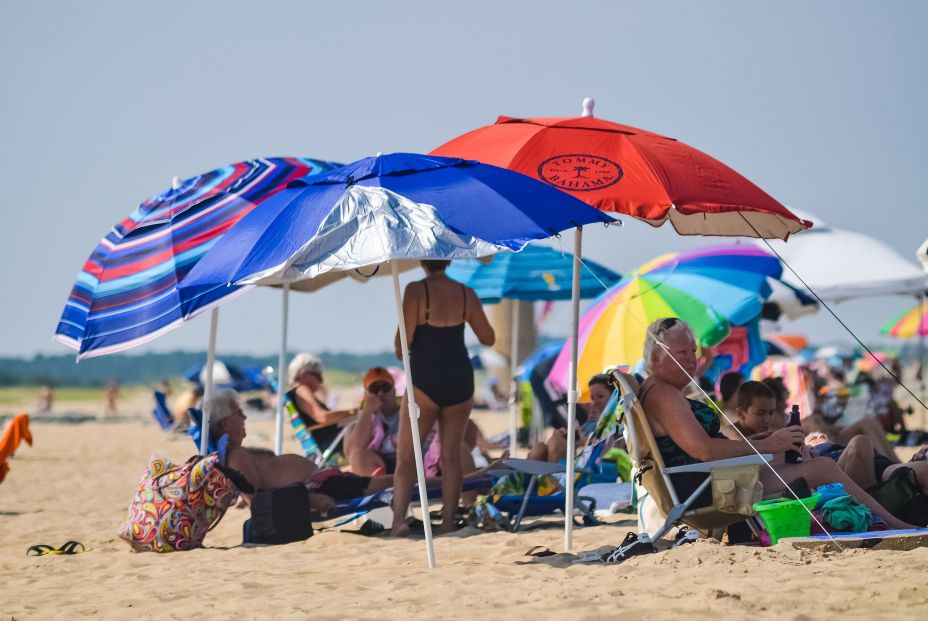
[308, 396]
[688, 431]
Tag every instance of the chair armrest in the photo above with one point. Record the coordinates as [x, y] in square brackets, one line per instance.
[531, 466]
[709, 466]
[342, 422]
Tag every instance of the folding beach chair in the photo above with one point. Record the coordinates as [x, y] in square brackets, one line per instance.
[655, 477]
[516, 507]
[304, 434]
[161, 412]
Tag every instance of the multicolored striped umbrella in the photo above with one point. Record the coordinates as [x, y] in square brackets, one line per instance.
[126, 293]
[711, 289]
[913, 322]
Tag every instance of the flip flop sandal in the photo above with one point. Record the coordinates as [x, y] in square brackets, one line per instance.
[633, 545]
[70, 547]
[685, 536]
[540, 552]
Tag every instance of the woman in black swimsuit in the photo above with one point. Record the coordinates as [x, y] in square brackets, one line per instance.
[435, 310]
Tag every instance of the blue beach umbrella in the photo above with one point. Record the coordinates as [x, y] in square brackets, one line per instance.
[382, 210]
[537, 273]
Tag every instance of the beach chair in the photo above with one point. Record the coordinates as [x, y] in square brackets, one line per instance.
[655, 477]
[516, 507]
[161, 412]
[304, 435]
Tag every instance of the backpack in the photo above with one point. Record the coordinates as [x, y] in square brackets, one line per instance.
[902, 496]
[175, 506]
[279, 516]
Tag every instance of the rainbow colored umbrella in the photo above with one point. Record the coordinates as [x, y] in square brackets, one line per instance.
[710, 288]
[913, 322]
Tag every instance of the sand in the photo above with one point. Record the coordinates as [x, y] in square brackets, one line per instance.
[76, 482]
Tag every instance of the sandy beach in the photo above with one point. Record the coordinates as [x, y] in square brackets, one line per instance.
[76, 481]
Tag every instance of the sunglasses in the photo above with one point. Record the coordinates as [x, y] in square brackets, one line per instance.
[379, 387]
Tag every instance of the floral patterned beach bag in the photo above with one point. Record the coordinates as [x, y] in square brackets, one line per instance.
[176, 506]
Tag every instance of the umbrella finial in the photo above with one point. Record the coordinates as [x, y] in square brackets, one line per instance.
[588, 103]
[175, 182]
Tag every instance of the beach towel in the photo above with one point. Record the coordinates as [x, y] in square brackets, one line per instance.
[17, 430]
[175, 506]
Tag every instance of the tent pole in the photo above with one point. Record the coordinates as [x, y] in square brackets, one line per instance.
[208, 389]
[282, 378]
[572, 394]
[514, 382]
[413, 419]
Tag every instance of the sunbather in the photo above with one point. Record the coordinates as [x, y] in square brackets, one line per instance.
[830, 403]
[262, 469]
[370, 443]
[554, 449]
[688, 431]
[309, 398]
[758, 415]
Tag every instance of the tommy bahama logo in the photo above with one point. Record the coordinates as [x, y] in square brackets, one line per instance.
[580, 172]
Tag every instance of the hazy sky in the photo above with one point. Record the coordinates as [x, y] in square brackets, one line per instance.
[821, 104]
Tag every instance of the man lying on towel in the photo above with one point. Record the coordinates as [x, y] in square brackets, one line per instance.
[265, 470]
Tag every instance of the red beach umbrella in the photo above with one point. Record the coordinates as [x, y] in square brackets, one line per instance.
[624, 169]
[628, 170]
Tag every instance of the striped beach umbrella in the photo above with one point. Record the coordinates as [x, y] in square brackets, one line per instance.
[913, 322]
[126, 294]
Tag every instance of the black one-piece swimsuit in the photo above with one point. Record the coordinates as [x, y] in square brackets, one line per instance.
[440, 364]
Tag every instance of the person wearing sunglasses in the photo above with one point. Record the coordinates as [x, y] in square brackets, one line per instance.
[370, 443]
[307, 394]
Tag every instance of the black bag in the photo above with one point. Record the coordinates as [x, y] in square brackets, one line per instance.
[902, 496]
[279, 515]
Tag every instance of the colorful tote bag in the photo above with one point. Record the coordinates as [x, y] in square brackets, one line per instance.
[175, 506]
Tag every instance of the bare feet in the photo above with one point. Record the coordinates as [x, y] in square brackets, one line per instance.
[400, 529]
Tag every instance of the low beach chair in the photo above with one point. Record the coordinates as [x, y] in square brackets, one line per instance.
[304, 435]
[161, 411]
[655, 477]
[516, 507]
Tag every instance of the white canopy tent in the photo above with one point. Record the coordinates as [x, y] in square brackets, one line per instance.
[841, 265]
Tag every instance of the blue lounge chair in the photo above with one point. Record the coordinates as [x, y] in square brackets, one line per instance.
[516, 507]
[161, 412]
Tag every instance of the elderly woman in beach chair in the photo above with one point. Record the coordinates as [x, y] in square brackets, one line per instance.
[308, 398]
[688, 432]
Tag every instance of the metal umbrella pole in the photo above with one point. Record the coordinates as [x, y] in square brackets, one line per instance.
[572, 394]
[282, 379]
[514, 382]
[208, 389]
[413, 418]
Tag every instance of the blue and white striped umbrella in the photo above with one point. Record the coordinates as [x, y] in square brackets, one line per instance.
[126, 293]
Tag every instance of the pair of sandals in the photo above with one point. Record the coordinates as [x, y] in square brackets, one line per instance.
[638, 544]
[69, 547]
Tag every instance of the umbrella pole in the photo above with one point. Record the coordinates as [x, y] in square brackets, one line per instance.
[572, 394]
[281, 370]
[921, 356]
[514, 383]
[413, 419]
[208, 389]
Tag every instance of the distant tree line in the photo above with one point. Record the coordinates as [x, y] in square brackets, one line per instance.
[150, 368]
